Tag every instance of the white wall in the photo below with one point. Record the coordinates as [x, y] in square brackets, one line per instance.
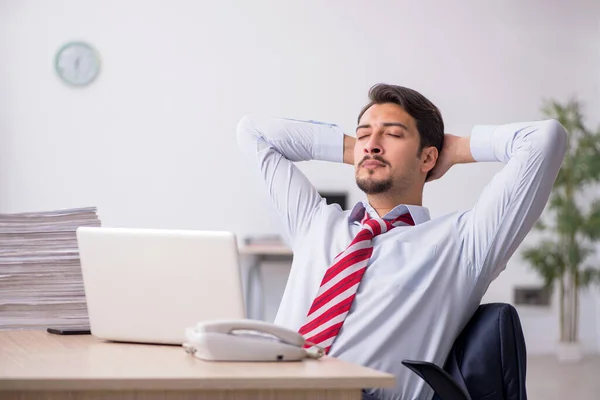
[152, 141]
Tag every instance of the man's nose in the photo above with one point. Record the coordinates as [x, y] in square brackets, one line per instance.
[373, 146]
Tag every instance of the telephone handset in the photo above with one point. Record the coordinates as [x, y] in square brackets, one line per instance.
[246, 340]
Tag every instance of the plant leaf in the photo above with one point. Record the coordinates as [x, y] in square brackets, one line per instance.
[577, 252]
[591, 225]
[568, 217]
[588, 276]
[586, 168]
[546, 260]
[540, 225]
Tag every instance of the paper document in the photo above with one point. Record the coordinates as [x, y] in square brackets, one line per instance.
[40, 273]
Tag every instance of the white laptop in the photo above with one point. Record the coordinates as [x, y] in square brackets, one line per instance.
[148, 286]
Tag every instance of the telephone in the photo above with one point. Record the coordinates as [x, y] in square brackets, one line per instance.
[246, 340]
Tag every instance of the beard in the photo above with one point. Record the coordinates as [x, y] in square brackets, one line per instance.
[374, 186]
[370, 185]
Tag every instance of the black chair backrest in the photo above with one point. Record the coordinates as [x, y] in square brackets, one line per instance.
[489, 357]
[487, 361]
[444, 386]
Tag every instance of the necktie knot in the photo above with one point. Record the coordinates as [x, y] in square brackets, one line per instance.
[378, 226]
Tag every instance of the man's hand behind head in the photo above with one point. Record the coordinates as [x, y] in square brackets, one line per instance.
[349, 142]
[456, 150]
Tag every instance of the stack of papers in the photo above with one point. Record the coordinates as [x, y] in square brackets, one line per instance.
[40, 274]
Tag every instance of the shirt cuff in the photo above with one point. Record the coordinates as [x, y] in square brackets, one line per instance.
[482, 143]
[329, 144]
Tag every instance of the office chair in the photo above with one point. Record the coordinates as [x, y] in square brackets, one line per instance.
[487, 361]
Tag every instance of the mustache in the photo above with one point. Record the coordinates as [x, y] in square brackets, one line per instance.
[376, 158]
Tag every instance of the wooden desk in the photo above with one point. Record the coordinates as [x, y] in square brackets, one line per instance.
[38, 365]
[254, 279]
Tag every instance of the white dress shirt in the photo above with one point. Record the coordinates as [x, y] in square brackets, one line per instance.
[423, 282]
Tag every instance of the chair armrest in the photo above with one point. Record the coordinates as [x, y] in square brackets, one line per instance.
[439, 380]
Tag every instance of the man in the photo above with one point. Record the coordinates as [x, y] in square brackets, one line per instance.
[383, 282]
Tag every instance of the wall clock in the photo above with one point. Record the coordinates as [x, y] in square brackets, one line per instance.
[77, 63]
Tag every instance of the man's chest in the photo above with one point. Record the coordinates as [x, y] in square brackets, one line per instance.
[407, 258]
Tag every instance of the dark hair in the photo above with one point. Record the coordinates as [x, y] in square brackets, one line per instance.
[427, 116]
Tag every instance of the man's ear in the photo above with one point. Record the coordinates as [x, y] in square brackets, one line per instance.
[429, 157]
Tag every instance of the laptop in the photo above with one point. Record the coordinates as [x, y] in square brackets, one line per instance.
[149, 285]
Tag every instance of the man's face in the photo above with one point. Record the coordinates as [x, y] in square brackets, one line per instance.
[386, 154]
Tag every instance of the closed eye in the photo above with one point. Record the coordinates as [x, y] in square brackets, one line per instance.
[398, 135]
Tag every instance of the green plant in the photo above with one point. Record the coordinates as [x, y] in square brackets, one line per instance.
[570, 225]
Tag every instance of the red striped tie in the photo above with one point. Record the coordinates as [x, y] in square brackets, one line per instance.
[340, 283]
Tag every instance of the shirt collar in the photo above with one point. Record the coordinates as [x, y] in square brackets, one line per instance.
[419, 214]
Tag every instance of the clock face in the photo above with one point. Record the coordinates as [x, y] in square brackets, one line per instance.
[77, 64]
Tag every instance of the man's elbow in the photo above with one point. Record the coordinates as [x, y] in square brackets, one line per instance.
[554, 138]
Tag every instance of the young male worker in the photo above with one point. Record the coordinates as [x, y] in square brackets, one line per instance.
[383, 282]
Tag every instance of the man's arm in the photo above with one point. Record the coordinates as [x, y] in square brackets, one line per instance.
[273, 145]
[515, 198]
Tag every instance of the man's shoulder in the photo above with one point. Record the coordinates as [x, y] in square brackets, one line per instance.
[444, 229]
[328, 218]
[449, 218]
